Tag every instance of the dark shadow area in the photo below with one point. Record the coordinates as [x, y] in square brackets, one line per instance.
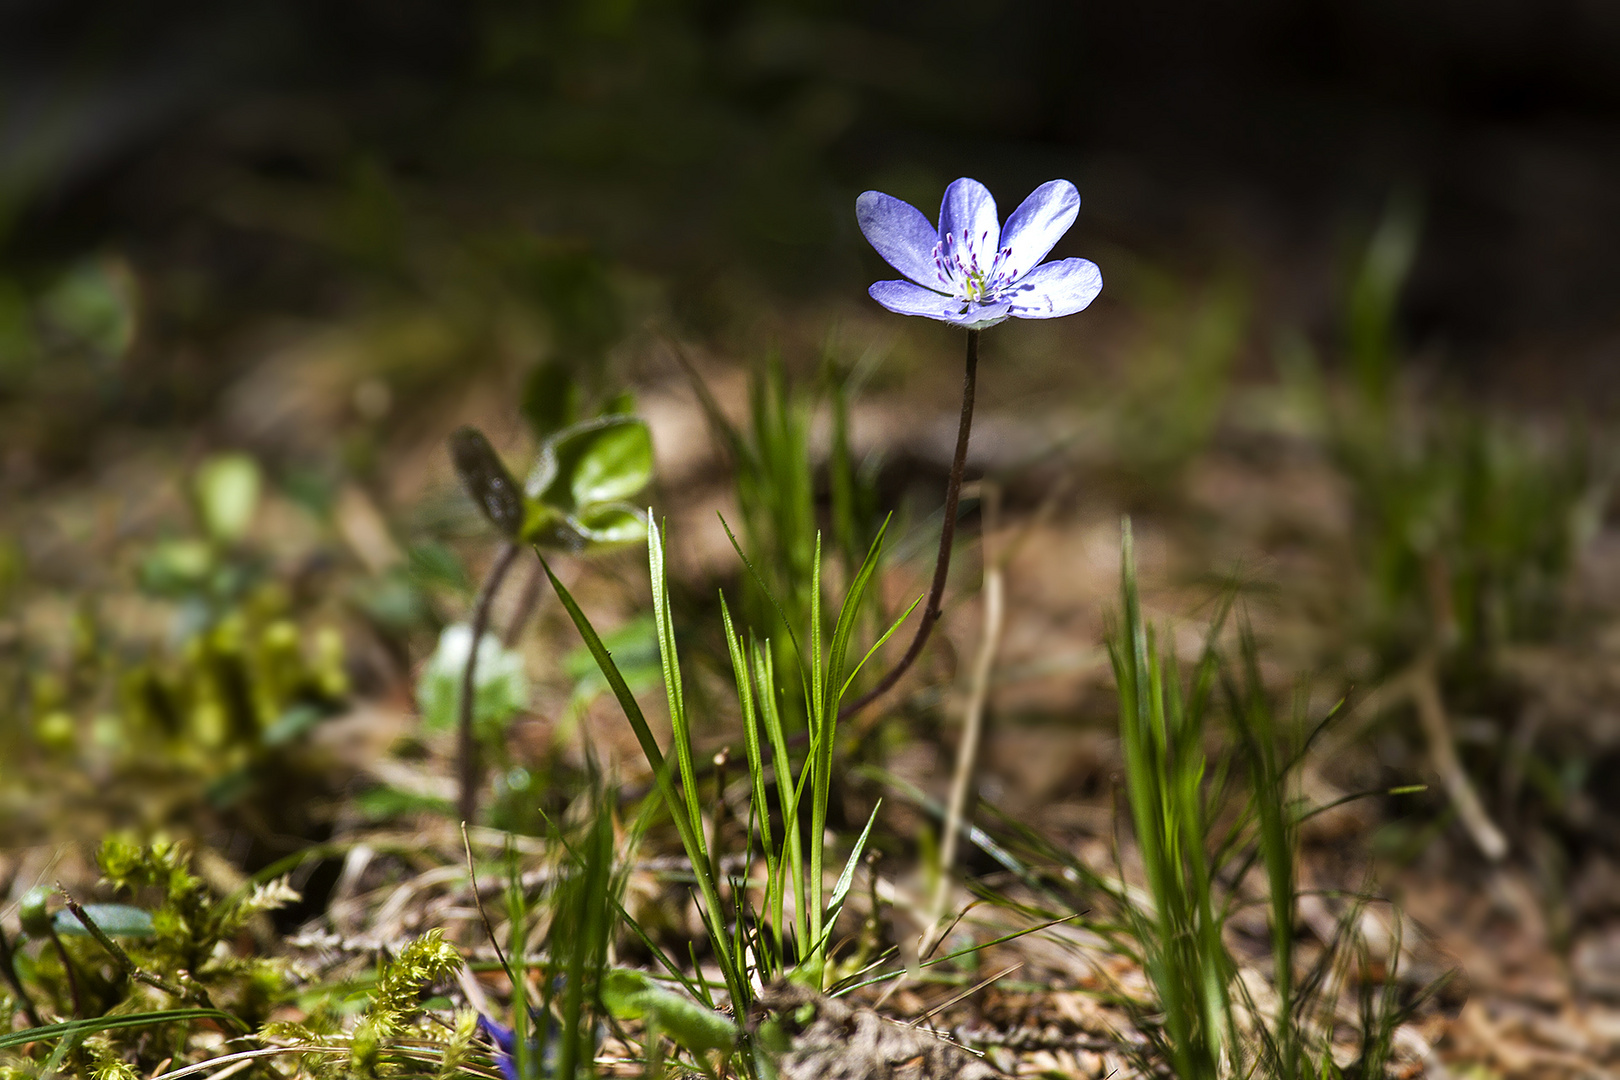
[696, 140]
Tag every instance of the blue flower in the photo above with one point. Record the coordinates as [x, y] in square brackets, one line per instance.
[973, 271]
[505, 1045]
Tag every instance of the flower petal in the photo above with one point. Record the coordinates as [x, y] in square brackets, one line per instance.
[904, 298]
[900, 234]
[1055, 289]
[968, 212]
[499, 1033]
[504, 1041]
[1039, 222]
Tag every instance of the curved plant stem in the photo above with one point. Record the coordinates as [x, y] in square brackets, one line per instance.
[467, 745]
[942, 567]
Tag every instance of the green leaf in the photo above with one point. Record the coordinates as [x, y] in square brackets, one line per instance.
[608, 524]
[847, 878]
[835, 904]
[484, 477]
[691, 840]
[674, 690]
[615, 462]
[115, 920]
[621, 404]
[602, 460]
[500, 686]
[227, 490]
[632, 995]
[113, 1023]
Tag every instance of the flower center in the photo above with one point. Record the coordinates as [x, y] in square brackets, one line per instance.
[963, 275]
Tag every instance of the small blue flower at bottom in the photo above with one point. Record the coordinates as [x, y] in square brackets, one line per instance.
[505, 1045]
[972, 270]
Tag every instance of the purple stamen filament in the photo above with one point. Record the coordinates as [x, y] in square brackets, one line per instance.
[959, 270]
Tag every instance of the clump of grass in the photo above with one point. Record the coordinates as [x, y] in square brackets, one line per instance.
[1201, 828]
[776, 480]
[1212, 796]
[1162, 734]
[825, 676]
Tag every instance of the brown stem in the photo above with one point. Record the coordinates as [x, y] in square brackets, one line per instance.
[947, 535]
[467, 745]
[116, 951]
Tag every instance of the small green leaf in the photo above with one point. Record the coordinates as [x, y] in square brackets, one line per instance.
[546, 526]
[607, 524]
[616, 464]
[835, 905]
[486, 480]
[621, 404]
[597, 461]
[115, 920]
[500, 687]
[622, 990]
[227, 490]
[847, 878]
[632, 995]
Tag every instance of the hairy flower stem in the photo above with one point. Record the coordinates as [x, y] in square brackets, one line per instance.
[947, 536]
[467, 744]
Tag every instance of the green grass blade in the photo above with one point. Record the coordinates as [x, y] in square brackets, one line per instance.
[770, 594]
[759, 808]
[818, 662]
[848, 613]
[820, 747]
[878, 644]
[674, 692]
[93, 1025]
[787, 792]
[691, 838]
[835, 903]
[824, 729]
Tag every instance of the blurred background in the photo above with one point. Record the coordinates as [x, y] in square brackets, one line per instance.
[1358, 340]
[286, 159]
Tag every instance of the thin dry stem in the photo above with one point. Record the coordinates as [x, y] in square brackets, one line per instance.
[1431, 712]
